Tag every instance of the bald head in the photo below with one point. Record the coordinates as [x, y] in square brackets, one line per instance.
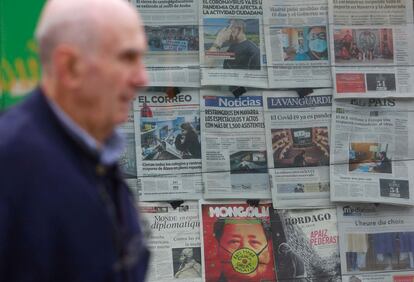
[78, 23]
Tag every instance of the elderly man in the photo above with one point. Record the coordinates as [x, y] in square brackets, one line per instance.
[65, 212]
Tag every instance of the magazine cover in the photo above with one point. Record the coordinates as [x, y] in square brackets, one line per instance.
[305, 245]
[237, 242]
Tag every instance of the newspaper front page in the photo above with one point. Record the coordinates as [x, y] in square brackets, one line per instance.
[371, 43]
[174, 241]
[171, 28]
[376, 243]
[371, 151]
[297, 43]
[297, 138]
[233, 145]
[168, 146]
[127, 160]
[305, 245]
[237, 242]
[232, 48]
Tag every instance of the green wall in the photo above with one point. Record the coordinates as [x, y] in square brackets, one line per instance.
[19, 65]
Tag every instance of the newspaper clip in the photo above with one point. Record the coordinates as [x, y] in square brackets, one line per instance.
[176, 204]
[172, 91]
[253, 202]
[302, 92]
[237, 90]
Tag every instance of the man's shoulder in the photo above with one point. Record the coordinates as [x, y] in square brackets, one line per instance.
[17, 125]
[24, 128]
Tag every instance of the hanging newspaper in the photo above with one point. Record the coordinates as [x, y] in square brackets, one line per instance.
[127, 160]
[174, 241]
[371, 43]
[297, 137]
[237, 242]
[232, 50]
[371, 151]
[376, 243]
[297, 43]
[168, 146]
[305, 245]
[171, 28]
[233, 145]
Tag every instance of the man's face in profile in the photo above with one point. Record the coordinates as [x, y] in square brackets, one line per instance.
[235, 32]
[237, 236]
[115, 72]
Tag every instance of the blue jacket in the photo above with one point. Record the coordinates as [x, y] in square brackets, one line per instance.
[63, 216]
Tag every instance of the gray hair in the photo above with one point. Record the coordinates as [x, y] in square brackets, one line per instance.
[74, 25]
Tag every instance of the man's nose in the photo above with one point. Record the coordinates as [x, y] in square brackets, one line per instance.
[139, 76]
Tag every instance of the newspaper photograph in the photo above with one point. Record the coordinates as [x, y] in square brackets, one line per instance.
[371, 156]
[232, 49]
[173, 237]
[297, 138]
[376, 242]
[237, 242]
[168, 148]
[305, 245]
[127, 161]
[233, 145]
[371, 43]
[297, 43]
[171, 28]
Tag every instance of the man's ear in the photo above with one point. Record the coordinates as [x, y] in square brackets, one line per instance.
[68, 65]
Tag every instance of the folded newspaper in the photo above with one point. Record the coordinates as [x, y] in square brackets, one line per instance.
[297, 137]
[376, 243]
[297, 43]
[233, 145]
[371, 45]
[174, 241]
[232, 49]
[372, 157]
[168, 149]
[171, 28]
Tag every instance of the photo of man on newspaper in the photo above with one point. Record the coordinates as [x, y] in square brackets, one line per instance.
[304, 43]
[232, 43]
[186, 262]
[300, 147]
[170, 139]
[369, 157]
[172, 38]
[237, 242]
[364, 46]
